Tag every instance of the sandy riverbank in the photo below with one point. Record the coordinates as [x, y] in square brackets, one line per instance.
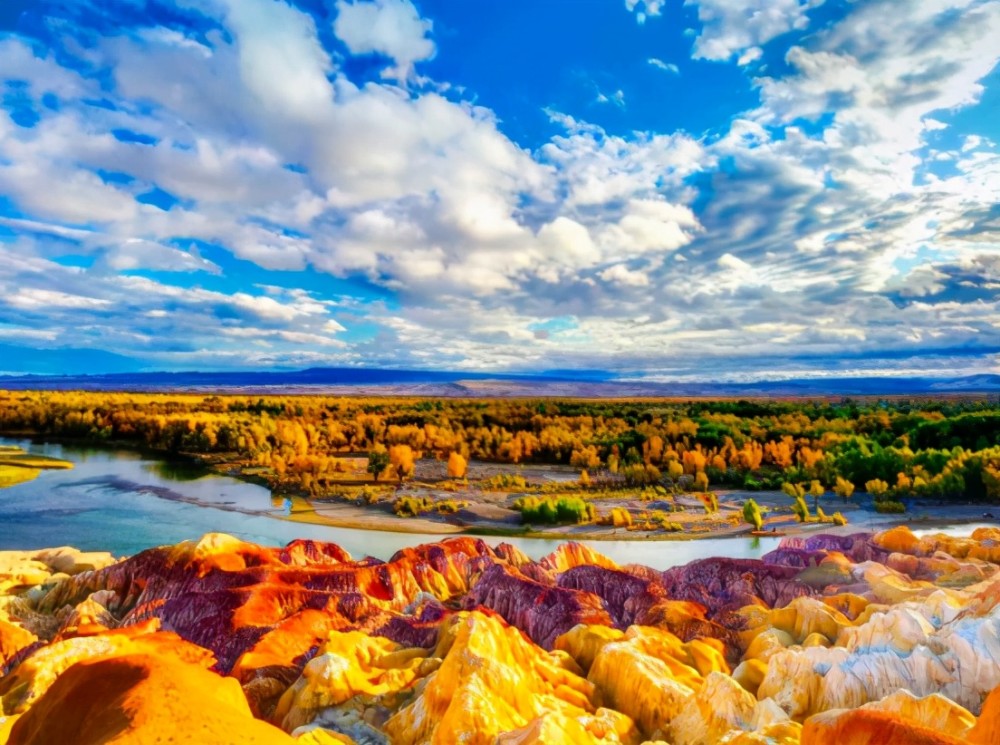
[485, 518]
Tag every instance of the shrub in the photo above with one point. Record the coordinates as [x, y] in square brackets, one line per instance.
[801, 509]
[751, 513]
[889, 507]
[838, 519]
[503, 481]
[412, 506]
[710, 502]
[552, 511]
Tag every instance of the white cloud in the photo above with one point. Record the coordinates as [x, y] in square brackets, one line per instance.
[749, 55]
[622, 275]
[644, 9]
[276, 156]
[733, 27]
[617, 98]
[32, 298]
[393, 28]
[665, 66]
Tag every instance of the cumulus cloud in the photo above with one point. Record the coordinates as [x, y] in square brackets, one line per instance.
[393, 28]
[813, 224]
[734, 27]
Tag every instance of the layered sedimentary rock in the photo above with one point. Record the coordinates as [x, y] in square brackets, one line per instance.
[856, 639]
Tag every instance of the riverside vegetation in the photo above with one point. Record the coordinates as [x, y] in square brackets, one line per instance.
[625, 463]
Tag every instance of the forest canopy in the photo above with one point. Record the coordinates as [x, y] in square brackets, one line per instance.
[932, 448]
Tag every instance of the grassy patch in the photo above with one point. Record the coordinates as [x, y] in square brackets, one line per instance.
[21, 459]
[13, 475]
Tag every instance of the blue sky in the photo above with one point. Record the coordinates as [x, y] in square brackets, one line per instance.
[711, 188]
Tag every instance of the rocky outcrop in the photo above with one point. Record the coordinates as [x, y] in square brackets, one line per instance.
[141, 698]
[856, 639]
[493, 681]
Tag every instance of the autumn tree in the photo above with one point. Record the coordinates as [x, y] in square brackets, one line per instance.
[843, 488]
[816, 490]
[457, 467]
[877, 488]
[701, 481]
[401, 458]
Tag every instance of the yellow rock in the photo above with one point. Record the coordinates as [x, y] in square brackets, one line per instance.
[749, 674]
[5, 725]
[572, 554]
[847, 603]
[719, 707]
[604, 726]
[70, 561]
[650, 674]
[900, 629]
[784, 733]
[766, 642]
[493, 680]
[889, 586]
[805, 617]
[582, 642]
[349, 664]
[320, 736]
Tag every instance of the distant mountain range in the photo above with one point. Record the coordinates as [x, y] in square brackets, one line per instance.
[584, 383]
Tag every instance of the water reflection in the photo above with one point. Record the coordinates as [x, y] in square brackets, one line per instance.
[123, 502]
[177, 470]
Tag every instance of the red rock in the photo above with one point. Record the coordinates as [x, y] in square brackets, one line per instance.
[541, 611]
[729, 584]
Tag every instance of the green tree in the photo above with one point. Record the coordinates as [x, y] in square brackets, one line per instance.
[378, 461]
[751, 513]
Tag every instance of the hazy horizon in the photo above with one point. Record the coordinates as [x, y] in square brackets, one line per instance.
[713, 190]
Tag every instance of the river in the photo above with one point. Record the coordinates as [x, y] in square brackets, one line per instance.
[123, 502]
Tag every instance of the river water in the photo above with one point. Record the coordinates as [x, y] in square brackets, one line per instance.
[123, 502]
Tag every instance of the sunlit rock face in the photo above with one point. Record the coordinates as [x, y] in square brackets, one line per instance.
[829, 639]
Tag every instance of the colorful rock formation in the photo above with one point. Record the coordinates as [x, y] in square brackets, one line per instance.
[830, 639]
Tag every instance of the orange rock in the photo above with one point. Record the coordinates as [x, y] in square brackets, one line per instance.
[39, 671]
[142, 699]
[900, 540]
[12, 640]
[987, 729]
[869, 727]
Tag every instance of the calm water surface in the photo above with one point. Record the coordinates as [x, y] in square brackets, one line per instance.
[124, 502]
